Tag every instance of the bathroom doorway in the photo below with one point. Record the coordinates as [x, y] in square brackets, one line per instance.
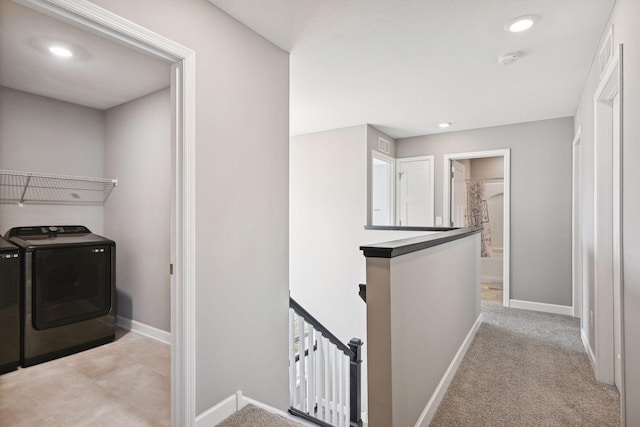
[477, 195]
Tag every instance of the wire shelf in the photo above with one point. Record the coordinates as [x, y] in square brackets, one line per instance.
[49, 189]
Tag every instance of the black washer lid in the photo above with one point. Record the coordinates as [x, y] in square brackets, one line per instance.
[41, 236]
[6, 246]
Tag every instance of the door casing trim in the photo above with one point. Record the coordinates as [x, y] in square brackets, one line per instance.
[506, 235]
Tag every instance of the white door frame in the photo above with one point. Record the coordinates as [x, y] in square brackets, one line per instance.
[453, 195]
[446, 207]
[98, 20]
[431, 177]
[576, 228]
[392, 185]
[607, 172]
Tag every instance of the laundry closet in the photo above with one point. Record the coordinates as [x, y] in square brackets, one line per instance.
[81, 145]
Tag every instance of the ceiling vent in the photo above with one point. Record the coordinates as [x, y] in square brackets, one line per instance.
[384, 145]
[605, 54]
[508, 59]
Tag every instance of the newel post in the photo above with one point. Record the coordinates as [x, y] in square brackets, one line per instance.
[355, 402]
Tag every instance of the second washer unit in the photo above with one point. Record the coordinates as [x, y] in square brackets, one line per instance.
[9, 306]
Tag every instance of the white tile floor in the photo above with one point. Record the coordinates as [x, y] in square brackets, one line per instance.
[124, 383]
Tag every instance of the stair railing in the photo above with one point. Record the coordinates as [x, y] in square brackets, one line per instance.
[324, 373]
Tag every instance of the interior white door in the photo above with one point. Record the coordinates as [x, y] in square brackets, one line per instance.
[415, 191]
[458, 194]
[617, 274]
[382, 189]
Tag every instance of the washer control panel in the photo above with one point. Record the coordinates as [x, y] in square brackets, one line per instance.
[48, 230]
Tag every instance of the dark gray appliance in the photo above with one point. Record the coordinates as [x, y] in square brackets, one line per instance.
[9, 306]
[69, 291]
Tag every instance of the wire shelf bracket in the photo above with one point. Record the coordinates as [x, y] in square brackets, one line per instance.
[35, 188]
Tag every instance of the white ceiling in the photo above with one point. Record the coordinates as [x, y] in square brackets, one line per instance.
[405, 66]
[101, 74]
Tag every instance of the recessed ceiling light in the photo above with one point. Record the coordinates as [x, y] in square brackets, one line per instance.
[444, 125]
[60, 51]
[521, 23]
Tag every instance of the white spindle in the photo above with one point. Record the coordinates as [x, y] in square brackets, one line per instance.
[319, 374]
[292, 360]
[340, 389]
[325, 374]
[312, 371]
[334, 384]
[301, 350]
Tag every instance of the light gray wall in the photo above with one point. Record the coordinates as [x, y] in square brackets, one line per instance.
[137, 214]
[428, 290]
[327, 208]
[373, 135]
[328, 200]
[39, 134]
[626, 31]
[409, 299]
[372, 141]
[242, 157]
[540, 198]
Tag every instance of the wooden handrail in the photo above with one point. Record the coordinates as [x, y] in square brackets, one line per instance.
[320, 327]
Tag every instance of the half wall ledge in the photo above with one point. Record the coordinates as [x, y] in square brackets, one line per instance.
[404, 246]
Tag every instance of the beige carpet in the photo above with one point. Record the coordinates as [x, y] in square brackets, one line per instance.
[527, 369]
[252, 416]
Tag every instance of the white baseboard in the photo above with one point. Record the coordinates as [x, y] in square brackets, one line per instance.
[223, 410]
[567, 310]
[142, 329]
[433, 403]
[587, 347]
[233, 404]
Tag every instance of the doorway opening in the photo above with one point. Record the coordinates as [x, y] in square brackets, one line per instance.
[382, 189]
[477, 194]
[401, 191]
[87, 16]
[607, 306]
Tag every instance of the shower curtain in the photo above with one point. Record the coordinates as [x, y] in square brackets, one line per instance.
[478, 214]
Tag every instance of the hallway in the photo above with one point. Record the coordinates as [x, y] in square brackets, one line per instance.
[527, 368]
